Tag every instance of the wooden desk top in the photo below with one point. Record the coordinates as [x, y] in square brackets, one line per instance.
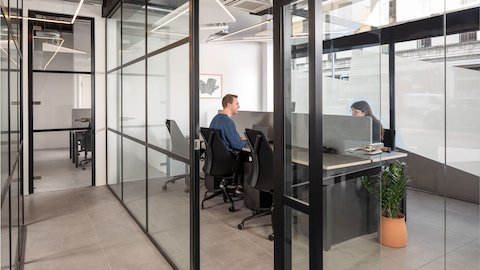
[338, 161]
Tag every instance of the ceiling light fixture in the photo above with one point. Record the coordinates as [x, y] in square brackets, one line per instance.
[59, 46]
[242, 30]
[76, 12]
[38, 19]
[226, 10]
[170, 33]
[184, 6]
[152, 7]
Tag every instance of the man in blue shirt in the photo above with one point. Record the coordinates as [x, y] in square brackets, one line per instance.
[229, 134]
[223, 122]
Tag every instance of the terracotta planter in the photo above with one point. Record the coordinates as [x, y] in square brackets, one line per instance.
[393, 232]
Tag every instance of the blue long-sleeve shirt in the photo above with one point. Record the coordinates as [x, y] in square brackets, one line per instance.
[228, 132]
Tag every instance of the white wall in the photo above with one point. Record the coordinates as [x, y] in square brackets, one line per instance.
[240, 65]
[87, 11]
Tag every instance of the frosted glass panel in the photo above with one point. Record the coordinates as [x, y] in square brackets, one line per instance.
[361, 79]
[419, 90]
[462, 123]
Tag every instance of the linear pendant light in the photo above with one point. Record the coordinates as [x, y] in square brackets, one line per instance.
[76, 12]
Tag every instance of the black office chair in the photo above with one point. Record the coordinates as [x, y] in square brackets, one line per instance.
[220, 163]
[261, 178]
[87, 146]
[389, 138]
[179, 146]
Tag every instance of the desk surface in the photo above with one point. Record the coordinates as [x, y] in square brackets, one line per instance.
[338, 161]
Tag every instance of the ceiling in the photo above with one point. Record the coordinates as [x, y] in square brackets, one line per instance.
[88, 2]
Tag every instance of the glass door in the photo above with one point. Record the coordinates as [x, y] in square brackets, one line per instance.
[61, 99]
[297, 107]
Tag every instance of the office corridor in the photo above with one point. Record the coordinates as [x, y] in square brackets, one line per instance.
[85, 228]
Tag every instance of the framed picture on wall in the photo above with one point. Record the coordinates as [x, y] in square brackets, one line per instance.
[210, 86]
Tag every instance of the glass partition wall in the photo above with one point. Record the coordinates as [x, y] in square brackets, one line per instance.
[408, 68]
[148, 85]
[11, 138]
[61, 108]
[414, 64]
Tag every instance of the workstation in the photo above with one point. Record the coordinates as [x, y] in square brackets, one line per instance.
[344, 162]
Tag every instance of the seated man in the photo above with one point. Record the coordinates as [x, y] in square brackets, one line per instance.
[228, 131]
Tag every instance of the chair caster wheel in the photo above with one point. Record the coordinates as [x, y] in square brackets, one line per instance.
[231, 209]
[271, 237]
[164, 187]
[241, 226]
[187, 190]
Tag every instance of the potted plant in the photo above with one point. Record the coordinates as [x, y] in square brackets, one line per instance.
[389, 188]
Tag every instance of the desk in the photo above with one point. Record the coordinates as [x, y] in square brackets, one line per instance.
[349, 210]
[339, 161]
[75, 137]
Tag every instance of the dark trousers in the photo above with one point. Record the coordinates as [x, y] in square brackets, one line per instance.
[241, 157]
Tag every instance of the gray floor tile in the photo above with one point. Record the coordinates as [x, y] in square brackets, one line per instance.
[85, 229]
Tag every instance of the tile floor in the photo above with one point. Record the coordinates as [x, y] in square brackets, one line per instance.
[58, 172]
[95, 224]
[85, 228]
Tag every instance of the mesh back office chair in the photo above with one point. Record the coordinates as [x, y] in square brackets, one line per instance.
[262, 174]
[389, 138]
[86, 145]
[220, 163]
[180, 147]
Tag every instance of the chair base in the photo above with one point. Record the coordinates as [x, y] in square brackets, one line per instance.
[226, 190]
[256, 214]
[85, 162]
[175, 178]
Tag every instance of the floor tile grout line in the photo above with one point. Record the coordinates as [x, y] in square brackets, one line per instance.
[242, 234]
[446, 254]
[94, 230]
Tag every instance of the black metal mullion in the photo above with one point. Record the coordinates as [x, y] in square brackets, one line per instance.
[153, 147]
[315, 43]
[58, 129]
[146, 116]
[93, 92]
[121, 98]
[279, 143]
[106, 101]
[9, 100]
[194, 130]
[151, 54]
[391, 83]
[67, 71]
[30, 106]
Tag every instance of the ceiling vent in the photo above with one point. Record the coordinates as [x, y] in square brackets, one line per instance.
[252, 6]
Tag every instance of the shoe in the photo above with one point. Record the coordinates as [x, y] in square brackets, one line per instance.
[239, 190]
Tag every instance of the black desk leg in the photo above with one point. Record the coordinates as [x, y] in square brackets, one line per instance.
[327, 218]
[71, 145]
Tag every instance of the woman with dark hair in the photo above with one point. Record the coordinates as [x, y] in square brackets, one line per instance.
[362, 108]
